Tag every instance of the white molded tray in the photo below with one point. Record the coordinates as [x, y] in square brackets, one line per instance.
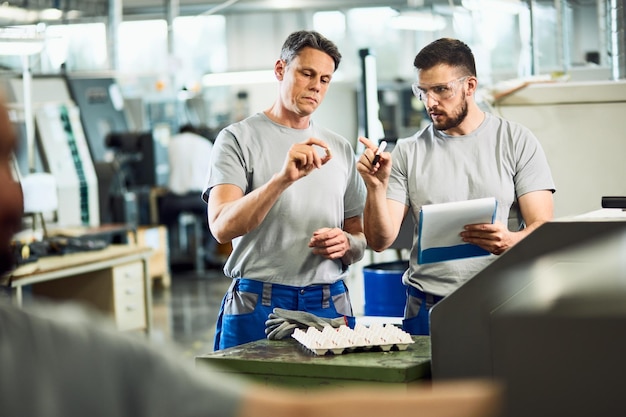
[345, 340]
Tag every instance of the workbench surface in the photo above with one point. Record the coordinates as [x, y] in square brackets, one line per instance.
[287, 362]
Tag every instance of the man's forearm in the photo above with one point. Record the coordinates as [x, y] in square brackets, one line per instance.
[378, 223]
[238, 217]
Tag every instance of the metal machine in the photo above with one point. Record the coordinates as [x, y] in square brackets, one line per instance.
[62, 148]
[546, 318]
[581, 126]
[132, 162]
[67, 157]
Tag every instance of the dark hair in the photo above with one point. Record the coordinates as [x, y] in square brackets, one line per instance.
[451, 52]
[299, 40]
[188, 127]
[200, 130]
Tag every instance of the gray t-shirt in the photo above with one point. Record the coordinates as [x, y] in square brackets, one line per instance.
[500, 159]
[64, 361]
[247, 154]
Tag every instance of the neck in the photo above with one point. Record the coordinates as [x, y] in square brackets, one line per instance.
[282, 116]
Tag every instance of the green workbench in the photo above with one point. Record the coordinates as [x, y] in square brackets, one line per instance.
[287, 363]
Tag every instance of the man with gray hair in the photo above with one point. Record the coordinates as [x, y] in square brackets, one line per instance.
[286, 193]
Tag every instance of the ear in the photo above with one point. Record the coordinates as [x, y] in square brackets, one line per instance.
[279, 69]
[472, 85]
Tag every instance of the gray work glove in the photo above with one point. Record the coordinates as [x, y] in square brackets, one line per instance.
[281, 323]
[279, 329]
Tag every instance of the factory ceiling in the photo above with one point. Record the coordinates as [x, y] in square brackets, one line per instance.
[30, 11]
[16, 12]
[243, 6]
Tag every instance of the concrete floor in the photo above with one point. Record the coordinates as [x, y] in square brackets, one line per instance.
[185, 313]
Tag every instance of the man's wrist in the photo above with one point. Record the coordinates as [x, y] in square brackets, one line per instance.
[356, 250]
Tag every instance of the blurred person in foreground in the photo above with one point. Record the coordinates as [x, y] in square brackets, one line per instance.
[61, 360]
[463, 154]
[286, 192]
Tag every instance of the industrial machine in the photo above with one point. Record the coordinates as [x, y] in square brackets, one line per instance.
[67, 157]
[61, 148]
[128, 162]
[580, 125]
[546, 319]
[96, 183]
[141, 163]
[101, 110]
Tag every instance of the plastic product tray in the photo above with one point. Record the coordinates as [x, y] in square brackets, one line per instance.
[346, 340]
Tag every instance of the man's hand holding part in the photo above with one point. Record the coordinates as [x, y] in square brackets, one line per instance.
[303, 158]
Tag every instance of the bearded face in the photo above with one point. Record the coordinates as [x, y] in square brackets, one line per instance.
[444, 120]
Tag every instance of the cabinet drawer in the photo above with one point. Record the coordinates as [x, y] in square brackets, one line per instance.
[129, 296]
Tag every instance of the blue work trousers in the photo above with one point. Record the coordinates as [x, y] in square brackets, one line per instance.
[417, 311]
[247, 304]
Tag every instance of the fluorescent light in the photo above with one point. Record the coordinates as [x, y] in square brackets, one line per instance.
[235, 78]
[17, 14]
[332, 23]
[505, 6]
[21, 15]
[419, 21]
[73, 14]
[20, 41]
[50, 14]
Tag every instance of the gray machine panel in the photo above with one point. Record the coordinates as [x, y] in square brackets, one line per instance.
[101, 110]
[566, 359]
[559, 258]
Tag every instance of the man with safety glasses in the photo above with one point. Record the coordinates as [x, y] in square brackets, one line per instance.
[464, 154]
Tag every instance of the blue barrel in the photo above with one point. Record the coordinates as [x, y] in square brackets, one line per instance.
[385, 294]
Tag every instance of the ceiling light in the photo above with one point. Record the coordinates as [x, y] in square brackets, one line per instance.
[419, 21]
[505, 6]
[21, 15]
[243, 77]
[73, 14]
[50, 14]
[17, 14]
[20, 41]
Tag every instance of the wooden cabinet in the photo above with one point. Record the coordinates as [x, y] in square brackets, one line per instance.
[115, 280]
[156, 238]
[129, 296]
[117, 291]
